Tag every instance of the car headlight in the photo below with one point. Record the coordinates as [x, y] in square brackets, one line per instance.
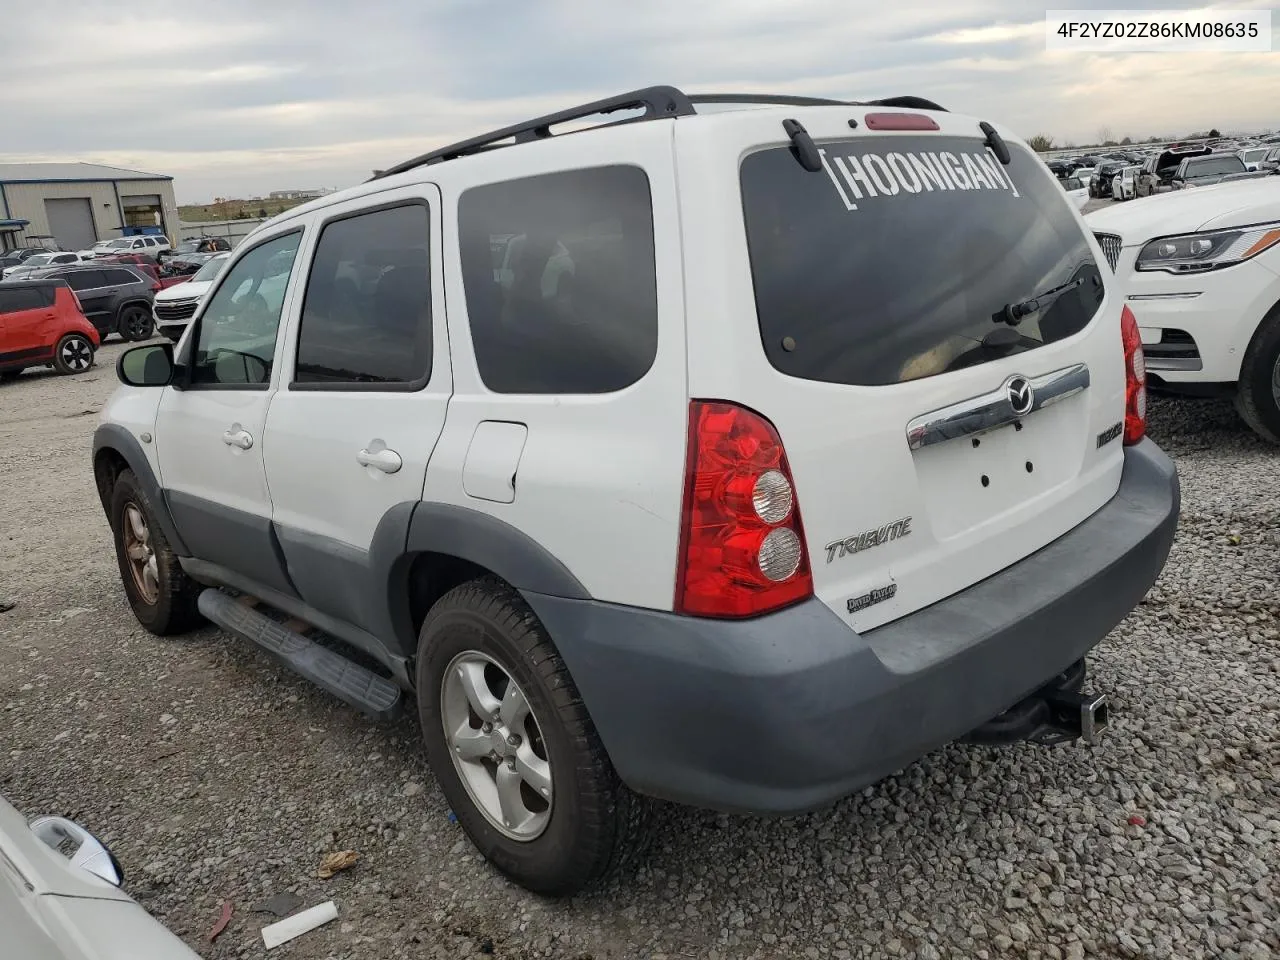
[1200, 252]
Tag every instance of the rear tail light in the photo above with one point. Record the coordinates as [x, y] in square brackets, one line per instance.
[155, 286]
[742, 547]
[1135, 379]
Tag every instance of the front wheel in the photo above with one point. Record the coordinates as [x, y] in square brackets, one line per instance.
[135, 323]
[1258, 391]
[513, 748]
[162, 596]
[73, 354]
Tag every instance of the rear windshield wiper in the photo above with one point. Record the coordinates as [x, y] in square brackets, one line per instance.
[1013, 313]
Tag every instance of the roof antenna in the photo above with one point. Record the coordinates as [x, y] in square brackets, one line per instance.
[803, 146]
[995, 142]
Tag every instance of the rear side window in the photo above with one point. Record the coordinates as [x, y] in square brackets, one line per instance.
[366, 318]
[117, 277]
[560, 280]
[25, 298]
[897, 260]
[85, 279]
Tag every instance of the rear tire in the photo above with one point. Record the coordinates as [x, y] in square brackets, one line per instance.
[593, 822]
[73, 354]
[162, 596]
[135, 324]
[1258, 391]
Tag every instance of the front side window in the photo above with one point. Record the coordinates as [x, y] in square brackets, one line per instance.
[366, 318]
[560, 280]
[25, 298]
[238, 330]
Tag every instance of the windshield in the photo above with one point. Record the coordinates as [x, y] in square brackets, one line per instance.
[188, 246]
[210, 270]
[122, 244]
[1215, 166]
[36, 259]
[899, 260]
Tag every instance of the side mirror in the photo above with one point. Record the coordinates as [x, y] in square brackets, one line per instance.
[82, 848]
[146, 366]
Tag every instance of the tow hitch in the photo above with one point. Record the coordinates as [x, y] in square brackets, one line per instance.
[1056, 713]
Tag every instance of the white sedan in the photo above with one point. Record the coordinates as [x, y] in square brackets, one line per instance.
[60, 898]
[1201, 271]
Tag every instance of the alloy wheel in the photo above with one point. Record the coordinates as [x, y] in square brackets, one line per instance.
[77, 354]
[497, 746]
[141, 553]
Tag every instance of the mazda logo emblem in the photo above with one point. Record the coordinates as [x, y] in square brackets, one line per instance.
[1021, 396]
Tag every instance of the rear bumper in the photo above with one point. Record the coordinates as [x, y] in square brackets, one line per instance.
[787, 712]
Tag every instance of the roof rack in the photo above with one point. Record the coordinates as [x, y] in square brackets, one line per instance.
[659, 102]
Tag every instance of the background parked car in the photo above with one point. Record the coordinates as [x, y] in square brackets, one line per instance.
[146, 265]
[198, 245]
[1271, 162]
[173, 309]
[147, 246]
[13, 258]
[1204, 267]
[37, 262]
[1124, 185]
[1077, 191]
[115, 297]
[1253, 156]
[41, 324]
[1100, 182]
[1204, 171]
[1158, 172]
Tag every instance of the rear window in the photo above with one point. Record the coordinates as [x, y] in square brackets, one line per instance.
[897, 262]
[1215, 166]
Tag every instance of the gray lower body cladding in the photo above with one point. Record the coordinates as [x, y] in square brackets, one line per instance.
[790, 711]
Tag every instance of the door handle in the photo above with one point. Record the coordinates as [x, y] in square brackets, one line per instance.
[238, 437]
[381, 458]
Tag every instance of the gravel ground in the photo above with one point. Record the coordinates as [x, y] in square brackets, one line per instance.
[215, 775]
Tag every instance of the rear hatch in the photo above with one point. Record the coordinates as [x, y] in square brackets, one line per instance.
[861, 311]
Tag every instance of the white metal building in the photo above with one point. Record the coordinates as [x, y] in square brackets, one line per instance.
[80, 203]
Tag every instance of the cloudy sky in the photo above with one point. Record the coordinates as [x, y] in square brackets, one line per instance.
[237, 98]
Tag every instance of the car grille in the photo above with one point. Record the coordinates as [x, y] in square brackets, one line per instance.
[1110, 244]
[169, 311]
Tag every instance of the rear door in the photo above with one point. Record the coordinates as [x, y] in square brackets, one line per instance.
[865, 310]
[363, 398]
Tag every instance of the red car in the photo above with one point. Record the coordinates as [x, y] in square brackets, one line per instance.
[41, 324]
[146, 265]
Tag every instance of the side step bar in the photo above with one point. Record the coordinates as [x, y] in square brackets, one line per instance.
[1058, 712]
[363, 689]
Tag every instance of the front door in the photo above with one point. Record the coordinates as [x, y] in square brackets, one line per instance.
[25, 314]
[366, 382]
[209, 430]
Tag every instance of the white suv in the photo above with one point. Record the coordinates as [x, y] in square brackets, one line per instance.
[530, 424]
[1201, 270]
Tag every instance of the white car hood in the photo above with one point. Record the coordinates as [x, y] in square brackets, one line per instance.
[184, 291]
[1186, 211]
